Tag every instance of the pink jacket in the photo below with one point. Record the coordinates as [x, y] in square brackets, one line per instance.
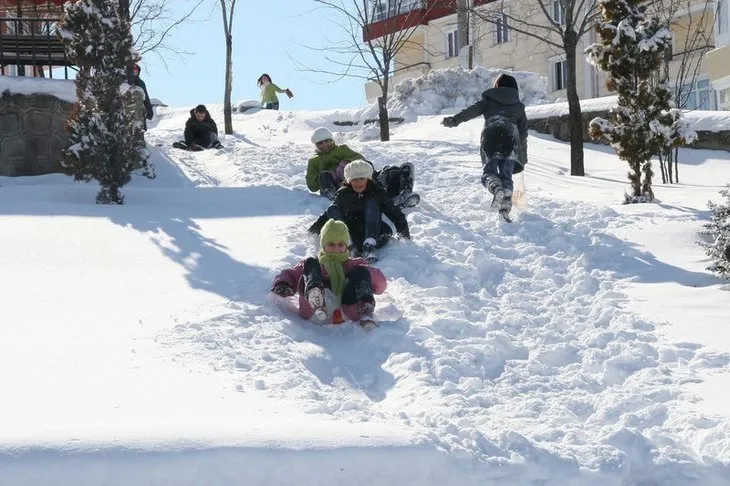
[294, 277]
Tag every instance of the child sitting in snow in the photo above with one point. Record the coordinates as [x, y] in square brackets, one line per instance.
[201, 132]
[504, 138]
[360, 203]
[325, 171]
[351, 281]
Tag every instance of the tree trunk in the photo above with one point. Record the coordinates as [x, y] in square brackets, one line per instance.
[227, 112]
[576, 117]
[462, 22]
[676, 165]
[124, 14]
[383, 118]
[662, 168]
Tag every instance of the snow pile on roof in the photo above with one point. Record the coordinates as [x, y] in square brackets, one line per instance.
[449, 90]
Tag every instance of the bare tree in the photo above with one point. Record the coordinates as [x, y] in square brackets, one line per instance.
[152, 21]
[227, 8]
[696, 19]
[363, 55]
[560, 24]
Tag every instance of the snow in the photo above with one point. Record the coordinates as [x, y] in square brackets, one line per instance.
[583, 344]
[63, 89]
[698, 120]
[444, 90]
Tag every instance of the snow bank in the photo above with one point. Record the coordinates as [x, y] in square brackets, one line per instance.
[699, 120]
[449, 90]
[64, 89]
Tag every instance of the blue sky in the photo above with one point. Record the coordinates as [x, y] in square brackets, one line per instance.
[265, 35]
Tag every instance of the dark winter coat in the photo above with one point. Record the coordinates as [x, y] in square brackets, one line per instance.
[496, 105]
[352, 205]
[149, 112]
[195, 130]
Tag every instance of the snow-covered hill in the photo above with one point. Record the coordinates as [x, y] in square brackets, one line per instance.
[583, 344]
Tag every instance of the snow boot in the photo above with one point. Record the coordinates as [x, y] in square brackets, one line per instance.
[369, 253]
[498, 199]
[365, 311]
[316, 299]
[181, 145]
[407, 200]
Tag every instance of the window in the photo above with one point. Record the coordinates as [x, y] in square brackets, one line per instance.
[724, 99]
[560, 78]
[501, 35]
[722, 17]
[452, 44]
[698, 95]
[558, 12]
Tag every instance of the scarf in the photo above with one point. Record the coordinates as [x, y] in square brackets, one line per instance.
[334, 264]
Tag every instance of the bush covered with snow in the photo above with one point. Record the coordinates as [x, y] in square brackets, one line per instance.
[245, 105]
[453, 89]
[719, 229]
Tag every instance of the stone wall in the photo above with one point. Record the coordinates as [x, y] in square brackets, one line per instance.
[32, 133]
[559, 127]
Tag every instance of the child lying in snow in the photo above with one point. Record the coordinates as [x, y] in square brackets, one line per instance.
[351, 280]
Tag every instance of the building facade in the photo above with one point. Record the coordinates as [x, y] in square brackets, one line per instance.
[434, 44]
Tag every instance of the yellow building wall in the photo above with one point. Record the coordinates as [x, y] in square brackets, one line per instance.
[526, 53]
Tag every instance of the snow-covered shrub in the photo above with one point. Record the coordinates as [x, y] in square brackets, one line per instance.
[719, 230]
[245, 105]
[107, 137]
[631, 49]
[452, 89]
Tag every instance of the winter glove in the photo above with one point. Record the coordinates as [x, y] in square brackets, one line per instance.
[450, 122]
[289, 93]
[283, 289]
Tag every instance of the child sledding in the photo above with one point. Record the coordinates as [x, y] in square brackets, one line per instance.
[361, 203]
[349, 282]
[201, 132]
[504, 139]
[325, 171]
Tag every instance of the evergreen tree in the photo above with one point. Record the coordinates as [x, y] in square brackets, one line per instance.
[645, 122]
[107, 138]
[719, 229]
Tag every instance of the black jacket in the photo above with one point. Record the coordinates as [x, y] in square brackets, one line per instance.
[195, 130]
[500, 102]
[352, 205]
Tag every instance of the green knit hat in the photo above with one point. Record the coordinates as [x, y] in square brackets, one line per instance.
[334, 231]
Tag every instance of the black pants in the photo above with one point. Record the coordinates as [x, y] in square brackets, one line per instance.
[205, 140]
[327, 183]
[500, 140]
[395, 180]
[358, 287]
[361, 227]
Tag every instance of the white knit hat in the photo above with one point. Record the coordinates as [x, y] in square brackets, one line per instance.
[321, 134]
[358, 169]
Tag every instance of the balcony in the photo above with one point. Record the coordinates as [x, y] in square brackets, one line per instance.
[384, 10]
[395, 15]
[28, 39]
